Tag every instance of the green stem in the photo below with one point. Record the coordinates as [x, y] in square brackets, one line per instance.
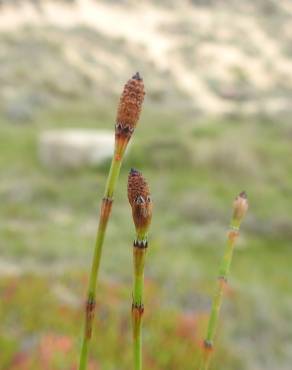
[218, 296]
[137, 313]
[139, 254]
[103, 221]
[138, 350]
[138, 289]
[113, 175]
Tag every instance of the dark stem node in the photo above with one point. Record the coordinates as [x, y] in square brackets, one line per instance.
[223, 278]
[208, 344]
[138, 307]
[142, 244]
[106, 208]
[90, 307]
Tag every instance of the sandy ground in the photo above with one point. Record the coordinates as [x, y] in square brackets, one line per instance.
[141, 25]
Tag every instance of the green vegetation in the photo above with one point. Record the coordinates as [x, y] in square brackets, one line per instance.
[48, 225]
[58, 73]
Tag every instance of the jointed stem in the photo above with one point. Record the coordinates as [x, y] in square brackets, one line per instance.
[105, 212]
[139, 252]
[218, 296]
[141, 203]
[137, 313]
[222, 281]
[128, 114]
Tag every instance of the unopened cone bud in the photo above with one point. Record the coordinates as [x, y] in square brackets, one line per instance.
[240, 207]
[140, 201]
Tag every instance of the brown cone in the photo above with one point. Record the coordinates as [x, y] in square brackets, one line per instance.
[129, 108]
[140, 200]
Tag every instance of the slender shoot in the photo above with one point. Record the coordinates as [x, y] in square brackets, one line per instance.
[127, 117]
[240, 207]
[140, 201]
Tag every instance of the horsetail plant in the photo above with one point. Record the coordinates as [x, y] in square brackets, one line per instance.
[140, 201]
[128, 114]
[240, 207]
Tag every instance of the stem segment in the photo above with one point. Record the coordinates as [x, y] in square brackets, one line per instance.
[139, 254]
[240, 207]
[105, 212]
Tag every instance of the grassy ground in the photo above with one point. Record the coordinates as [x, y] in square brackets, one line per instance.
[195, 167]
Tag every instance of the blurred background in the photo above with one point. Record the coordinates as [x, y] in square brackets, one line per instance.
[216, 121]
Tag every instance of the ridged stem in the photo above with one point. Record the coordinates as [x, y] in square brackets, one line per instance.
[139, 255]
[105, 212]
[218, 295]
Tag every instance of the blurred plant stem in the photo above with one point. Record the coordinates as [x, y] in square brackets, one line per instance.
[239, 209]
[105, 212]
